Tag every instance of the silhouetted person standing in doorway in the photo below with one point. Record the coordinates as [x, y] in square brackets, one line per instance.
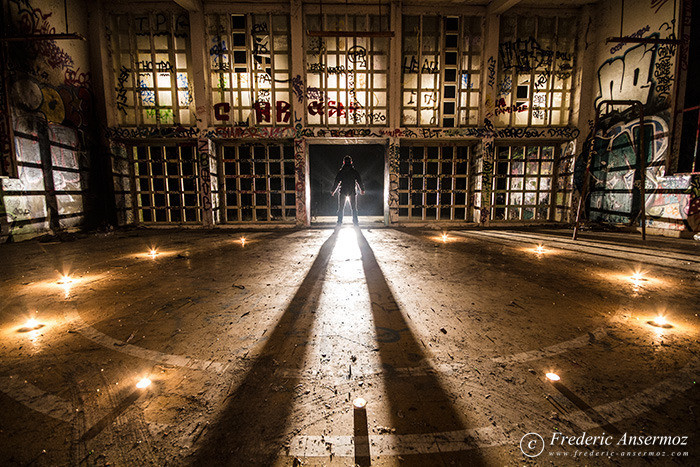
[346, 180]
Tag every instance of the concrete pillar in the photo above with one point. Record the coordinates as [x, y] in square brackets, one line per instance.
[205, 147]
[392, 178]
[394, 103]
[301, 178]
[296, 29]
[585, 89]
[488, 100]
[301, 173]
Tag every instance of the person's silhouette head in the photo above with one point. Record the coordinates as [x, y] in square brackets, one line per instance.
[347, 160]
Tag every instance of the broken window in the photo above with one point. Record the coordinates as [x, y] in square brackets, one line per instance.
[150, 63]
[48, 192]
[433, 183]
[249, 64]
[346, 77]
[441, 70]
[535, 70]
[257, 183]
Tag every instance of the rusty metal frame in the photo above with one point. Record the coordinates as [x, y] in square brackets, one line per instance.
[641, 158]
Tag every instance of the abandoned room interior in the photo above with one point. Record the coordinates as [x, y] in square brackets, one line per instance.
[349, 232]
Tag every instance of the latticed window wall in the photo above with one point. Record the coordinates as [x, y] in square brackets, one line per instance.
[257, 183]
[441, 70]
[433, 183]
[249, 66]
[167, 185]
[522, 183]
[535, 70]
[346, 77]
[150, 63]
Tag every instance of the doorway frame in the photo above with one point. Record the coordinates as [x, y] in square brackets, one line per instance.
[345, 142]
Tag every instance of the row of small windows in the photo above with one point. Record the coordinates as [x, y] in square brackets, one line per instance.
[345, 81]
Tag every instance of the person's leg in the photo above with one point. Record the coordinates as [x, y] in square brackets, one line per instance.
[341, 206]
[353, 205]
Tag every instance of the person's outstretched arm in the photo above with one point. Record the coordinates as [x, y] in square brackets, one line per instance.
[358, 179]
[335, 184]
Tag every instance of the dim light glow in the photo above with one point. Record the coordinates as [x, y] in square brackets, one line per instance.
[359, 403]
[637, 278]
[243, 241]
[144, 383]
[552, 376]
[66, 282]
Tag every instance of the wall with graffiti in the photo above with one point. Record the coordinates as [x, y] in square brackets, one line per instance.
[641, 72]
[50, 109]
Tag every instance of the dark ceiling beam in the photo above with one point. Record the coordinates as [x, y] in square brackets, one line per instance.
[190, 5]
[497, 7]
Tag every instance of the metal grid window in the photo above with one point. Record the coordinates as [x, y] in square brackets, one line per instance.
[346, 77]
[476, 171]
[522, 183]
[441, 70]
[258, 183]
[535, 70]
[151, 68]
[433, 183]
[249, 64]
[121, 184]
[167, 184]
[565, 183]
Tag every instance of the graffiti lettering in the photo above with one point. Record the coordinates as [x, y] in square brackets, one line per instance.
[121, 90]
[262, 111]
[491, 71]
[221, 111]
[357, 54]
[320, 68]
[526, 55]
[162, 67]
[75, 78]
[629, 76]
[639, 33]
[298, 88]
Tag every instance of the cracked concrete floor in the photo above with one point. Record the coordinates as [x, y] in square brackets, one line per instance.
[257, 350]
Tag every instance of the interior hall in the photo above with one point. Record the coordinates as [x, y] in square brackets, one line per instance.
[349, 232]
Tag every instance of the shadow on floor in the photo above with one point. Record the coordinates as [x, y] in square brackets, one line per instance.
[417, 400]
[251, 427]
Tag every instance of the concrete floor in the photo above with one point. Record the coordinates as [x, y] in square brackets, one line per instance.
[256, 351]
